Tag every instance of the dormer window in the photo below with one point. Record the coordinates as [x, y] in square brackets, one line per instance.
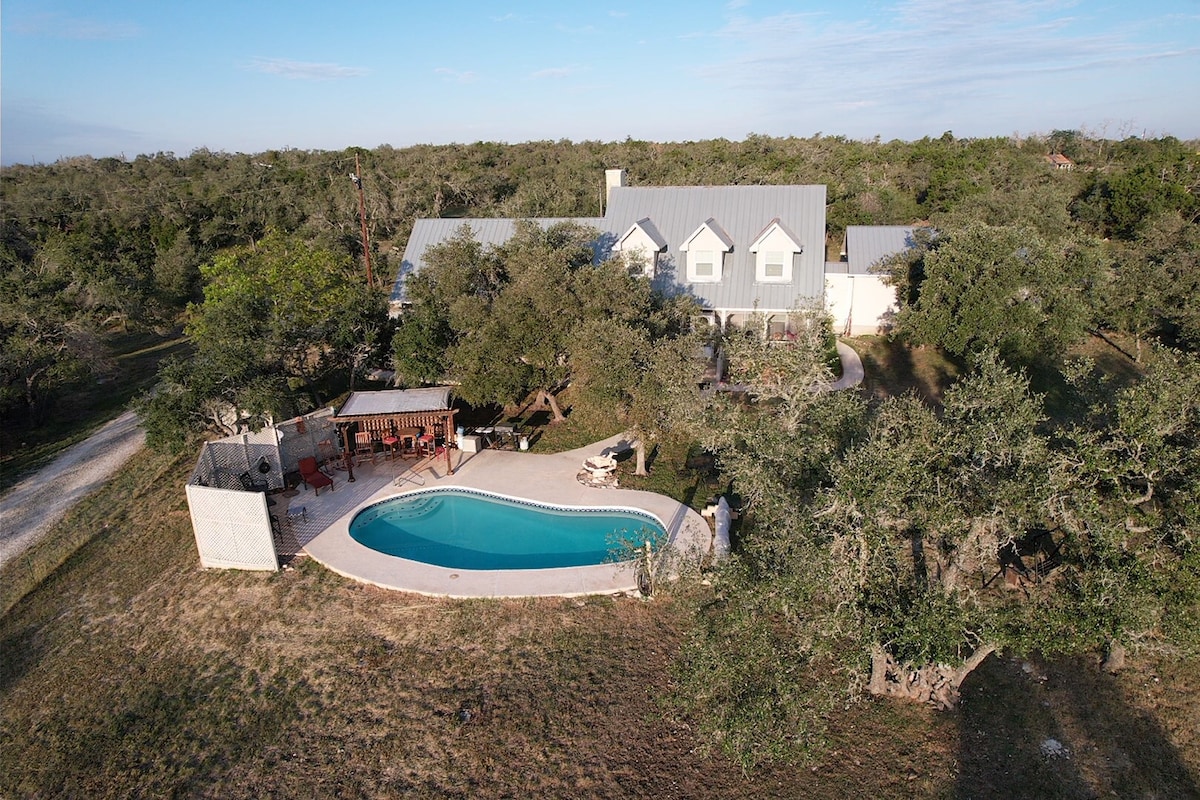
[775, 251]
[640, 246]
[773, 264]
[705, 251]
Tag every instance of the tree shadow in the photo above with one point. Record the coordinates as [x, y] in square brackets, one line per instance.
[19, 651]
[892, 370]
[1061, 729]
[538, 419]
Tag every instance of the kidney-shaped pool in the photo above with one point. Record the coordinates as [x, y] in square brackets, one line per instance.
[465, 529]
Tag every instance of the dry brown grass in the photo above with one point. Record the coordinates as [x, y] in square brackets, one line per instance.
[132, 672]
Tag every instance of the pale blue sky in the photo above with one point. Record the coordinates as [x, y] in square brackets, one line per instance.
[125, 77]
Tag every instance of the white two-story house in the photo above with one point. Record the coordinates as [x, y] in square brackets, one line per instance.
[738, 250]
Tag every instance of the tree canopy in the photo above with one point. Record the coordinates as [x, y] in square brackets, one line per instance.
[881, 540]
[987, 287]
[125, 238]
[917, 543]
[278, 318]
[524, 317]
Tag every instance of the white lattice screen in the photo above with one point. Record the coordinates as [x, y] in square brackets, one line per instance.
[233, 529]
[232, 525]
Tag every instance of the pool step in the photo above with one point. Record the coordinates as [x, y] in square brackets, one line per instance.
[412, 509]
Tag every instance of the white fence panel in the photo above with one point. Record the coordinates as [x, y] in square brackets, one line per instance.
[233, 528]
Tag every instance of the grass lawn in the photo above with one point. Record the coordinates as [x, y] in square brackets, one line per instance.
[132, 672]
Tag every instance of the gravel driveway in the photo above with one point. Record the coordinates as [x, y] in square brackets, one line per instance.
[33, 506]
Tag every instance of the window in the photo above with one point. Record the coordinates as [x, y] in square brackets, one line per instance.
[775, 252]
[774, 264]
[705, 252]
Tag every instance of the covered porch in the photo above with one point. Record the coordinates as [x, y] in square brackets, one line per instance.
[398, 423]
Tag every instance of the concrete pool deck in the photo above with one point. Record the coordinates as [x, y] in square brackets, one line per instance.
[550, 479]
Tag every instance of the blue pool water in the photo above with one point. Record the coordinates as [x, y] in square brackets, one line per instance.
[462, 529]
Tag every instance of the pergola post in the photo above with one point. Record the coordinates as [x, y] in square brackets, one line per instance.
[447, 426]
[348, 453]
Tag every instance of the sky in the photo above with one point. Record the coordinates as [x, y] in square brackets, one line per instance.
[127, 77]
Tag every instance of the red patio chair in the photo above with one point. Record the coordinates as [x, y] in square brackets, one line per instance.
[312, 476]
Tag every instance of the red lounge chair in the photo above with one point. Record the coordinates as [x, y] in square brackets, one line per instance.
[314, 477]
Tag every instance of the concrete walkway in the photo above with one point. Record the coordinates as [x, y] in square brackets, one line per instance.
[852, 368]
[549, 479]
[34, 505]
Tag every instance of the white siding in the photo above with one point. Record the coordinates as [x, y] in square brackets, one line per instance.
[640, 250]
[705, 246]
[859, 304]
[779, 243]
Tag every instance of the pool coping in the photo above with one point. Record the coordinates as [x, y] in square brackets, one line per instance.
[548, 479]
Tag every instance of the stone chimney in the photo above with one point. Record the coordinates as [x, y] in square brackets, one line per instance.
[612, 177]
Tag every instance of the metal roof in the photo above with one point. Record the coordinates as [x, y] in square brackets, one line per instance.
[646, 225]
[866, 245]
[675, 213]
[395, 401]
[742, 212]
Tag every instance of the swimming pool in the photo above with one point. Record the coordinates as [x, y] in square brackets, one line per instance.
[471, 530]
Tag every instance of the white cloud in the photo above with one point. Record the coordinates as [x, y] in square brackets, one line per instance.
[458, 76]
[854, 105]
[918, 65]
[936, 48]
[305, 70]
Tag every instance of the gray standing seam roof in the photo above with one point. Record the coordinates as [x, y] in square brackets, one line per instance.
[675, 212]
[866, 245]
[647, 226]
[742, 212]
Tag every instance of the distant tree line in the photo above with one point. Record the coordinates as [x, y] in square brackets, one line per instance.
[88, 245]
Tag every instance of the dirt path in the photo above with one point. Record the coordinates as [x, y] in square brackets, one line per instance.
[33, 506]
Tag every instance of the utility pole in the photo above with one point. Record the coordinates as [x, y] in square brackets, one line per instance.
[362, 218]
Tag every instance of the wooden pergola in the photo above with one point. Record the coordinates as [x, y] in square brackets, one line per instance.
[396, 412]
